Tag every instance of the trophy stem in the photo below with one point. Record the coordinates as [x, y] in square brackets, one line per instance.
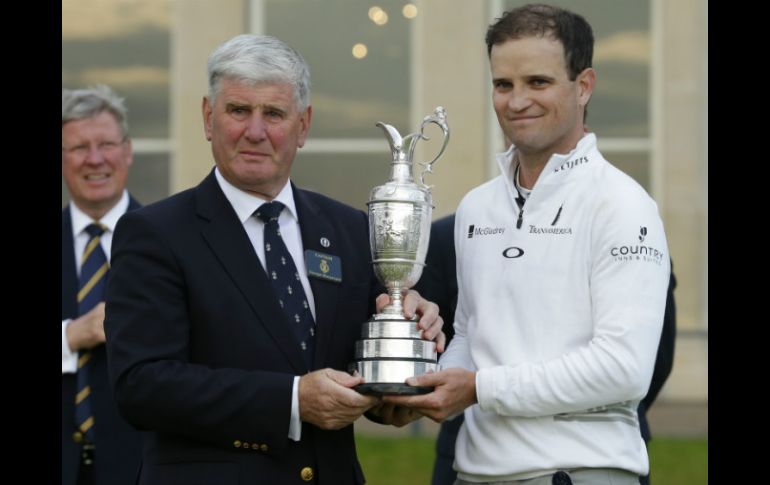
[396, 306]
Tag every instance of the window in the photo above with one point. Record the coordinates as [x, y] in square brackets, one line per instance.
[360, 74]
[125, 45]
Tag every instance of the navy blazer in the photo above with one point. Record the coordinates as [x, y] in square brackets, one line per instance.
[118, 444]
[203, 358]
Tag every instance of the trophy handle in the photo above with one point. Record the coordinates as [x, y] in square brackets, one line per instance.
[438, 118]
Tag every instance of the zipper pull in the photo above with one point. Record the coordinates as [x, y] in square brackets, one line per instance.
[520, 200]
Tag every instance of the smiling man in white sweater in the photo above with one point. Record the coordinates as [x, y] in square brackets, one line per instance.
[562, 266]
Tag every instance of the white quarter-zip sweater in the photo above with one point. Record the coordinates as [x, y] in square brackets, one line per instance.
[560, 317]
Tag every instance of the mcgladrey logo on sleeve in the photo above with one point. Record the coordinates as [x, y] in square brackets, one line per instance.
[484, 231]
[637, 252]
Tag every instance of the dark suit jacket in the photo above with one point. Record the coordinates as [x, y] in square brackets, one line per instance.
[202, 356]
[664, 360]
[439, 284]
[118, 445]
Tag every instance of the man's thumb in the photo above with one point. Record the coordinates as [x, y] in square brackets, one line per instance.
[423, 380]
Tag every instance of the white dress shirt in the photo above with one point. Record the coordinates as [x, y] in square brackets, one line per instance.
[245, 204]
[80, 220]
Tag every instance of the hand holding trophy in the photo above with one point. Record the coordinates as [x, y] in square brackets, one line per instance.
[391, 348]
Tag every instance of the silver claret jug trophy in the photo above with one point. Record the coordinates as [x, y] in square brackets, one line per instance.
[391, 348]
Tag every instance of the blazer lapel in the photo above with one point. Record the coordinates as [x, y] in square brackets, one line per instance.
[229, 242]
[315, 225]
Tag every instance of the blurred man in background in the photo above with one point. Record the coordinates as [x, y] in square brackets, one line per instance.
[98, 446]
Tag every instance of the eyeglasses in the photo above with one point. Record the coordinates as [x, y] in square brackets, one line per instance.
[104, 147]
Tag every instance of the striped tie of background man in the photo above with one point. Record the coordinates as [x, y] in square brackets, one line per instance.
[93, 278]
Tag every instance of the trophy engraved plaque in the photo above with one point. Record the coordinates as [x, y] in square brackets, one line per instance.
[391, 348]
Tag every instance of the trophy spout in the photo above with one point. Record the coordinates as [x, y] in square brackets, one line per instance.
[395, 140]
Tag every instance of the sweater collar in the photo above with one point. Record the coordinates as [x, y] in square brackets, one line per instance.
[559, 168]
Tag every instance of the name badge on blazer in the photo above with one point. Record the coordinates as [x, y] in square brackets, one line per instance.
[323, 266]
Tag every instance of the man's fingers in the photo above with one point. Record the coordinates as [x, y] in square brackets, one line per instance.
[412, 301]
[385, 411]
[343, 378]
[327, 401]
[404, 415]
[414, 304]
[441, 342]
[382, 301]
[430, 379]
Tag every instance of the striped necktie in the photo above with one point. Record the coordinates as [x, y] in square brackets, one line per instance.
[93, 278]
[284, 277]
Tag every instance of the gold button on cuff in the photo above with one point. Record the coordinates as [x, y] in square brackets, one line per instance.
[245, 445]
[306, 474]
[77, 436]
[237, 443]
[263, 447]
[255, 446]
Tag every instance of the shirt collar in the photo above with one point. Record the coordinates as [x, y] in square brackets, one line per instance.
[245, 204]
[81, 220]
[585, 145]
